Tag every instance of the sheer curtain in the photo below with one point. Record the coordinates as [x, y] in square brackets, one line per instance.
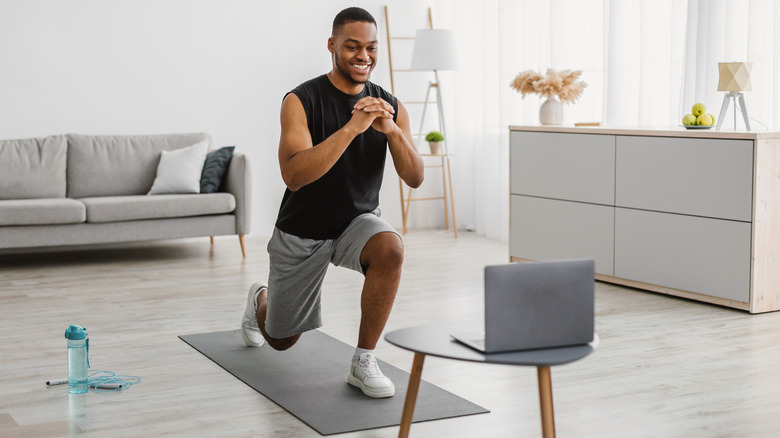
[645, 61]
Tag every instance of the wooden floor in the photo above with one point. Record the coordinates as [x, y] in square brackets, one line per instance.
[666, 367]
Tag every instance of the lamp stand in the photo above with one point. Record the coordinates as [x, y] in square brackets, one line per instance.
[445, 157]
[733, 95]
[435, 85]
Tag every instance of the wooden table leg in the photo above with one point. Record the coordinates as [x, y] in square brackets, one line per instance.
[411, 395]
[546, 401]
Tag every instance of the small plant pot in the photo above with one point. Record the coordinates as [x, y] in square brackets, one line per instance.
[435, 147]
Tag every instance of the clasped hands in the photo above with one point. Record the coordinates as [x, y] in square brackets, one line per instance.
[373, 112]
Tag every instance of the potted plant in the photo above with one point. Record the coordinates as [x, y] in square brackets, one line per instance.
[434, 139]
[564, 84]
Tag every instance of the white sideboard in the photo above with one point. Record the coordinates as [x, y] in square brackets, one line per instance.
[691, 213]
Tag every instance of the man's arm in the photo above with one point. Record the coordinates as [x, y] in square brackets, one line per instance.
[406, 159]
[300, 162]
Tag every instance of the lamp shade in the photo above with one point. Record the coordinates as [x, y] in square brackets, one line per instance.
[434, 49]
[734, 76]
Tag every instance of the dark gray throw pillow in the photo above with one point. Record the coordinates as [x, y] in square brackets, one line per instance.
[214, 169]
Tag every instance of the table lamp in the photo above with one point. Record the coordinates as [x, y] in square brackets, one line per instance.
[734, 78]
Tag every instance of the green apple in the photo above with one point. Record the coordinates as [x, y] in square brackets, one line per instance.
[689, 119]
[705, 120]
[698, 109]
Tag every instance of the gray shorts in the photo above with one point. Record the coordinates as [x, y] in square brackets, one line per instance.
[298, 268]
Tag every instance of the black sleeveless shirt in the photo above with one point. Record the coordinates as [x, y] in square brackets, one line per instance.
[323, 209]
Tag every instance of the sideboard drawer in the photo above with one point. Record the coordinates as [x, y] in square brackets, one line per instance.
[695, 254]
[546, 229]
[695, 176]
[575, 167]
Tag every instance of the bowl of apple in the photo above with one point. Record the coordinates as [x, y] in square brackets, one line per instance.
[698, 118]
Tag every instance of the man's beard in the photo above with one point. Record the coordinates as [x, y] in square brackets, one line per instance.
[348, 73]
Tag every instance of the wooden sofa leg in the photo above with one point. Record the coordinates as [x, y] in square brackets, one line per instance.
[212, 240]
[243, 244]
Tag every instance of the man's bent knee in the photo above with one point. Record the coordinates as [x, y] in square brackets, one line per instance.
[384, 249]
[283, 343]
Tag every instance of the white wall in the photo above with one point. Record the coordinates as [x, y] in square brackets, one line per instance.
[169, 66]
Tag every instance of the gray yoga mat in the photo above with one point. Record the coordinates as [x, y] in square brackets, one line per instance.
[310, 381]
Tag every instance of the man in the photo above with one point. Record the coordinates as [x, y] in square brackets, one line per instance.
[336, 129]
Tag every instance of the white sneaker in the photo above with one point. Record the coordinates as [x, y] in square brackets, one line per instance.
[365, 374]
[250, 330]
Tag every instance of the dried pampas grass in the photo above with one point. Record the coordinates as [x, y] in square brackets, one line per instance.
[524, 82]
[564, 84]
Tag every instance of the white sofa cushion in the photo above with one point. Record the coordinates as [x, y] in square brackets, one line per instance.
[119, 165]
[128, 208]
[33, 168]
[52, 211]
[179, 170]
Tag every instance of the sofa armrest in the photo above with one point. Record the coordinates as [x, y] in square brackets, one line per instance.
[238, 181]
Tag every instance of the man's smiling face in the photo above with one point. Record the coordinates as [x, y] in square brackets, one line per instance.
[354, 51]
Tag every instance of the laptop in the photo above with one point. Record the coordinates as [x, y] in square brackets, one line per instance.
[535, 305]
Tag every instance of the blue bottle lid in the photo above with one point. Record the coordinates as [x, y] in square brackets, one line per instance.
[76, 332]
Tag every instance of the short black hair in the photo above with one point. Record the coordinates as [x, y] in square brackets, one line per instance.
[351, 15]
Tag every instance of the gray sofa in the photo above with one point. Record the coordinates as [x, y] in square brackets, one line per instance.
[83, 190]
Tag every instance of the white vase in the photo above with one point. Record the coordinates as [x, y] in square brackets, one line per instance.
[435, 147]
[551, 112]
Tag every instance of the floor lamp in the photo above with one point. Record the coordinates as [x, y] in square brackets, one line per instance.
[434, 49]
[734, 77]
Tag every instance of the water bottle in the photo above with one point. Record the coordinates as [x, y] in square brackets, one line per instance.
[78, 359]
